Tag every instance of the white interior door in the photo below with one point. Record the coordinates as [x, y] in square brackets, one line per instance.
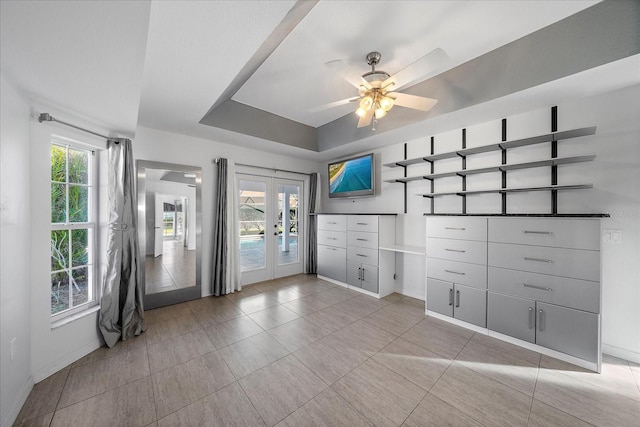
[158, 225]
[270, 218]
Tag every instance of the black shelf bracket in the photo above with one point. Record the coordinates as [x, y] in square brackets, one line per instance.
[503, 195]
[554, 154]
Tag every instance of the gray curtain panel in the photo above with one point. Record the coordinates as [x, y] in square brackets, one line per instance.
[121, 310]
[220, 230]
[312, 260]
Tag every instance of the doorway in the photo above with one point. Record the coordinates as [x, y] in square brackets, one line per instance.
[271, 225]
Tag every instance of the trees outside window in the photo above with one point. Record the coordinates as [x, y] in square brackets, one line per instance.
[72, 228]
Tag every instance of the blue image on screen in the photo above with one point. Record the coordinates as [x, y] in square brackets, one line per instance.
[354, 175]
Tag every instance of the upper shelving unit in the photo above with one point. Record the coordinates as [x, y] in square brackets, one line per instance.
[553, 161]
[549, 137]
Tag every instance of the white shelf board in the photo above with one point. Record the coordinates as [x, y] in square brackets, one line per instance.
[416, 250]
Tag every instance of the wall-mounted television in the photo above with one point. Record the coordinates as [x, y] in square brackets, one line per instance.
[352, 177]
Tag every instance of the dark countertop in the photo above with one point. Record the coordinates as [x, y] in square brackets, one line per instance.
[351, 213]
[531, 215]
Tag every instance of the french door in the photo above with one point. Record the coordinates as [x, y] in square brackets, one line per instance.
[271, 227]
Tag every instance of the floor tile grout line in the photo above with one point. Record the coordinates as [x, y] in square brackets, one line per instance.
[155, 403]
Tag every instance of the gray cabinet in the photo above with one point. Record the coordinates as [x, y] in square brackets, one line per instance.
[349, 254]
[457, 268]
[457, 301]
[512, 316]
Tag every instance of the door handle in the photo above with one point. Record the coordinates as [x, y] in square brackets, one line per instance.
[275, 233]
[541, 320]
[536, 259]
[450, 296]
[457, 298]
[530, 317]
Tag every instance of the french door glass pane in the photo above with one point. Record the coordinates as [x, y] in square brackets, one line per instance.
[252, 224]
[288, 196]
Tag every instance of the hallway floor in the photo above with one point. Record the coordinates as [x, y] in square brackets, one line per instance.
[300, 351]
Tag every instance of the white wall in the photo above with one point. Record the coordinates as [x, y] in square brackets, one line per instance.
[15, 322]
[615, 174]
[160, 146]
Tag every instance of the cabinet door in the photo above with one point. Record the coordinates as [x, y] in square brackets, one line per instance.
[470, 305]
[569, 331]
[370, 278]
[440, 296]
[332, 262]
[512, 316]
[354, 274]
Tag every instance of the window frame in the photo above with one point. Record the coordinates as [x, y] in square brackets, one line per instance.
[91, 224]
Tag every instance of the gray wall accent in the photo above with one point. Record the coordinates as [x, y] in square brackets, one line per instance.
[237, 117]
[603, 33]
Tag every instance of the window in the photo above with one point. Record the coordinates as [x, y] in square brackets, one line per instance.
[73, 201]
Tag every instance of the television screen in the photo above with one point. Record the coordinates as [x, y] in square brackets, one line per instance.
[352, 177]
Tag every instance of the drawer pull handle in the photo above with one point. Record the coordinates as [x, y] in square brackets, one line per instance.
[362, 223]
[537, 287]
[457, 298]
[450, 296]
[455, 272]
[331, 238]
[530, 317]
[455, 250]
[546, 233]
[362, 240]
[455, 228]
[536, 259]
[541, 320]
[332, 249]
[364, 256]
[332, 222]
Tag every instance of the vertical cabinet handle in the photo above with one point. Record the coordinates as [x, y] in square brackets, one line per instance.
[530, 317]
[457, 298]
[363, 274]
[450, 296]
[540, 320]
[359, 273]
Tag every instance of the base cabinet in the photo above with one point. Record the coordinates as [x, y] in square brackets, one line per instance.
[362, 276]
[457, 301]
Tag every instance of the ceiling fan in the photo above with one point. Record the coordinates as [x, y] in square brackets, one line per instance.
[378, 91]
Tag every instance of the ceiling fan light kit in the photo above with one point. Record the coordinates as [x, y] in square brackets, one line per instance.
[375, 93]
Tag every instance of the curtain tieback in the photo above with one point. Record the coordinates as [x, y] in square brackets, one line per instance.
[119, 226]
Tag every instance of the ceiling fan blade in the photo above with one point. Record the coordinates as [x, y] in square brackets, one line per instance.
[346, 72]
[419, 70]
[412, 101]
[333, 104]
[366, 119]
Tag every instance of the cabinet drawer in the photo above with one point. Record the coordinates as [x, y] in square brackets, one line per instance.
[332, 262]
[457, 272]
[332, 238]
[567, 330]
[363, 255]
[554, 232]
[576, 263]
[332, 222]
[579, 294]
[457, 250]
[512, 316]
[363, 239]
[363, 223]
[451, 227]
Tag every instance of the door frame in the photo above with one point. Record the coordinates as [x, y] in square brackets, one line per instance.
[259, 173]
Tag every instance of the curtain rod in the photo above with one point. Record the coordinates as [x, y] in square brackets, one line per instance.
[46, 117]
[267, 168]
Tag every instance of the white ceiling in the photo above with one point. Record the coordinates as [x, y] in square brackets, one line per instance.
[163, 64]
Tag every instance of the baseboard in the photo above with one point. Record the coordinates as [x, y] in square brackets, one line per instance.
[21, 398]
[66, 360]
[621, 353]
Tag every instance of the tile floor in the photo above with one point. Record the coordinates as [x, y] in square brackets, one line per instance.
[303, 352]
